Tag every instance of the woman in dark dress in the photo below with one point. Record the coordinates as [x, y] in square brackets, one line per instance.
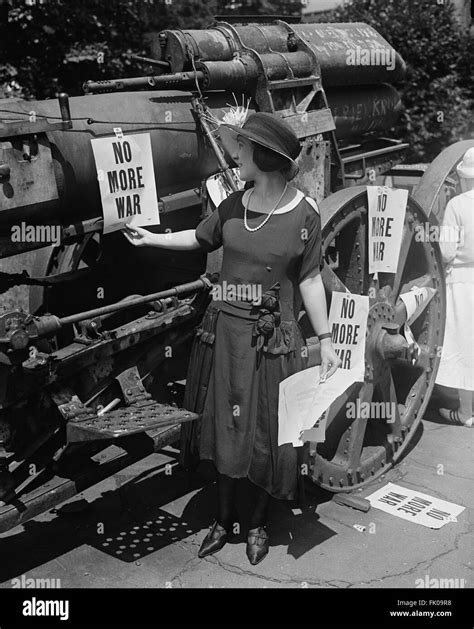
[249, 339]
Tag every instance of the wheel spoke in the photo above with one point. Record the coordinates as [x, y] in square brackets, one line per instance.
[360, 244]
[331, 281]
[350, 446]
[402, 260]
[386, 387]
[340, 405]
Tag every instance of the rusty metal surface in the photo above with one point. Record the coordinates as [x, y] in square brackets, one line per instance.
[31, 176]
[314, 174]
[331, 43]
[365, 109]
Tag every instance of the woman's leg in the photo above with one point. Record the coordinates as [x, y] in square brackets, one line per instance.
[220, 530]
[225, 500]
[257, 540]
[261, 507]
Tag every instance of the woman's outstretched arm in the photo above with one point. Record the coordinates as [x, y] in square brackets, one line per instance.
[182, 240]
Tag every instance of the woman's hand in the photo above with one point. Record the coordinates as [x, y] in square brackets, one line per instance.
[137, 236]
[330, 361]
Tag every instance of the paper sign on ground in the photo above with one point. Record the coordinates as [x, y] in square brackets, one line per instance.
[126, 181]
[348, 324]
[387, 207]
[303, 399]
[415, 506]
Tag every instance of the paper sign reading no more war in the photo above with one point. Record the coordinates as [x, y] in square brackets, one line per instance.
[126, 181]
[387, 207]
[348, 323]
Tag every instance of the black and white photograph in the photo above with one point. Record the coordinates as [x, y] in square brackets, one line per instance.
[236, 311]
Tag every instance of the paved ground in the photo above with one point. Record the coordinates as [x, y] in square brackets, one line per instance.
[143, 527]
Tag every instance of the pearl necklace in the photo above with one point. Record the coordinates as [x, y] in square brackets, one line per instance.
[254, 229]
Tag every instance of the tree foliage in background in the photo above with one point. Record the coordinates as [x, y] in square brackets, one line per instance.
[438, 91]
[55, 45]
[49, 46]
[263, 7]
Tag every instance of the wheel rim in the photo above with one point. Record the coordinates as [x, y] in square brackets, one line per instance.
[361, 449]
[440, 182]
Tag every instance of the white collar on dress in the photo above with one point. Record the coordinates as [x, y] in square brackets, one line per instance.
[283, 209]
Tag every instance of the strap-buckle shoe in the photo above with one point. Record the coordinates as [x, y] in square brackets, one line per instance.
[258, 544]
[214, 540]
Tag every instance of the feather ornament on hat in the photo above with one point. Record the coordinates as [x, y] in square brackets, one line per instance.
[236, 115]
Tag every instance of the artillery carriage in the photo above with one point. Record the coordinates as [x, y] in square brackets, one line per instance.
[88, 367]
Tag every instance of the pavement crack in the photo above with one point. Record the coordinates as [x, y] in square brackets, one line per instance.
[429, 562]
[398, 574]
[302, 582]
[450, 550]
[189, 564]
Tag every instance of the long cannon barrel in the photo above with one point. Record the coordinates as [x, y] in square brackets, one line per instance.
[234, 57]
[348, 53]
[179, 80]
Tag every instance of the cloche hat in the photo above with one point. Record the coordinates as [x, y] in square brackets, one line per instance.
[269, 131]
[466, 167]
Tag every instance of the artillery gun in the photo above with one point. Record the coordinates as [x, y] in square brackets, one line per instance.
[92, 377]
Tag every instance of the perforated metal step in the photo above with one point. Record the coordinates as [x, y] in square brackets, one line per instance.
[138, 417]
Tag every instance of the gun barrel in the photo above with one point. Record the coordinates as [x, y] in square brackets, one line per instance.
[178, 80]
[189, 287]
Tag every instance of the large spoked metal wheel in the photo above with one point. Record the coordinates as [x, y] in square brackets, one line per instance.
[360, 449]
[440, 182]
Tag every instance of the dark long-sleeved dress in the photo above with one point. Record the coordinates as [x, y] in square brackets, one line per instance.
[242, 352]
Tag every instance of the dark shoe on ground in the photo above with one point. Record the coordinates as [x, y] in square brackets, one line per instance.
[453, 417]
[214, 540]
[258, 544]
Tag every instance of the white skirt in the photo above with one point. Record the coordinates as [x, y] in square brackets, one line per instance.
[456, 368]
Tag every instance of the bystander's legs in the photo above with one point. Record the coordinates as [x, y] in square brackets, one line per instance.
[462, 416]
